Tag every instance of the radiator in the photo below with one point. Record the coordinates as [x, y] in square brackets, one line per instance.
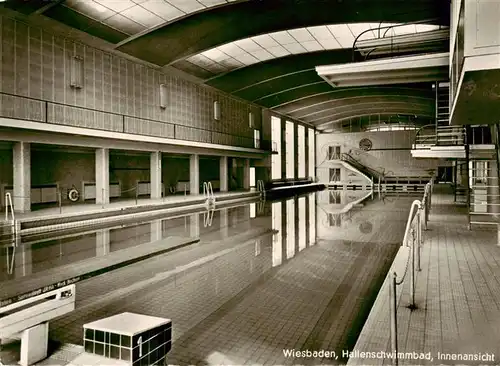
[144, 188]
[88, 190]
[39, 194]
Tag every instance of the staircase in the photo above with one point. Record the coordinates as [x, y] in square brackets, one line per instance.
[370, 173]
[442, 104]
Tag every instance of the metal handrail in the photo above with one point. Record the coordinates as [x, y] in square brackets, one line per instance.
[423, 207]
[387, 28]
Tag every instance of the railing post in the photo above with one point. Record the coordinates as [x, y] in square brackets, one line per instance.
[412, 272]
[102, 197]
[136, 193]
[419, 236]
[394, 318]
[60, 201]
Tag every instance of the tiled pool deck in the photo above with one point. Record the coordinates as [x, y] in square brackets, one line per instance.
[457, 296]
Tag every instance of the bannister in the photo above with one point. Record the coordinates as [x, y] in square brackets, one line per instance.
[372, 173]
[45, 112]
[418, 208]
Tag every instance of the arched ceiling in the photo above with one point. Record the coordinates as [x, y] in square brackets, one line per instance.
[263, 51]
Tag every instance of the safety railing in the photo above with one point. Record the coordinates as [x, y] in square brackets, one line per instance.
[44, 111]
[208, 192]
[413, 238]
[388, 42]
[372, 173]
[430, 135]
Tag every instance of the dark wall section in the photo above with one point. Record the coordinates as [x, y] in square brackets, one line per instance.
[210, 171]
[64, 167]
[6, 167]
[175, 169]
[128, 168]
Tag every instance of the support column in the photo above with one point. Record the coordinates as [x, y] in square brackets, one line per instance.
[223, 174]
[155, 175]
[246, 174]
[22, 177]
[194, 174]
[102, 176]
[102, 241]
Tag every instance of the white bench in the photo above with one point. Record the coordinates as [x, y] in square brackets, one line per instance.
[30, 322]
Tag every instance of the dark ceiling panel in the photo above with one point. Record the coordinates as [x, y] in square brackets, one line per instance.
[382, 109]
[295, 94]
[301, 106]
[276, 68]
[286, 82]
[361, 105]
[211, 28]
[354, 103]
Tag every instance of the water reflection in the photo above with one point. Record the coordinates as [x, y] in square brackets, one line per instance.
[294, 222]
[39, 253]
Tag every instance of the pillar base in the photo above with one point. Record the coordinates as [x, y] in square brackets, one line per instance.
[34, 342]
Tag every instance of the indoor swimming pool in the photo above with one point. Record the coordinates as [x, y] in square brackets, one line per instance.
[300, 273]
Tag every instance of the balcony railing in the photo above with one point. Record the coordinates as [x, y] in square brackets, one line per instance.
[441, 136]
[38, 110]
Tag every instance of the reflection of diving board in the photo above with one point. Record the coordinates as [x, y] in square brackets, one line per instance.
[29, 319]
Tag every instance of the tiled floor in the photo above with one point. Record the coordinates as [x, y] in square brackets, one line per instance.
[457, 296]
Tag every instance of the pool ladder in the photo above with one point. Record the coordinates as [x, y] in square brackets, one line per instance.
[9, 212]
[208, 192]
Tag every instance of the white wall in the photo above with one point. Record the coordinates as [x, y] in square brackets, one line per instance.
[395, 157]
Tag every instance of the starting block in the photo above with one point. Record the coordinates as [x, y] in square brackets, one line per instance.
[134, 339]
[28, 320]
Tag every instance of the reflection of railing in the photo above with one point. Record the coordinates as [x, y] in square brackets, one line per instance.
[413, 228]
[39, 110]
[261, 188]
[208, 192]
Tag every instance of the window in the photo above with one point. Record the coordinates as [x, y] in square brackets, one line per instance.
[312, 154]
[276, 158]
[290, 150]
[301, 147]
